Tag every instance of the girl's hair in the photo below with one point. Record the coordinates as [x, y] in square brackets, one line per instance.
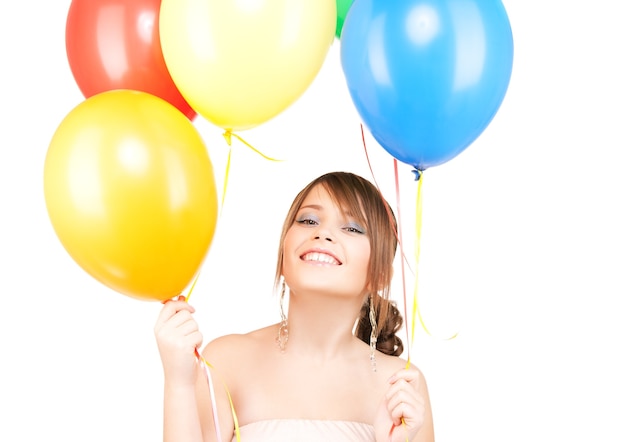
[365, 202]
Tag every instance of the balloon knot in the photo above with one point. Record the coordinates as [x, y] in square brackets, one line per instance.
[417, 173]
[228, 136]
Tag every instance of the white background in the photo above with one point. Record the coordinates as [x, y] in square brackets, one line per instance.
[522, 244]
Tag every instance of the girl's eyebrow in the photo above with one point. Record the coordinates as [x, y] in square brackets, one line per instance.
[346, 213]
[312, 206]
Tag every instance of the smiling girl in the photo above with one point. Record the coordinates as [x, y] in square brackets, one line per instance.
[330, 370]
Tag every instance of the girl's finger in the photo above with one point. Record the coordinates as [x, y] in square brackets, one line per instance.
[411, 375]
[170, 310]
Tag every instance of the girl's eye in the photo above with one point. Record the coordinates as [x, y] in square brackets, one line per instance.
[354, 228]
[307, 221]
[312, 220]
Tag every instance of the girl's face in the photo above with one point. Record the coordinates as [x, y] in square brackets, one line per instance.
[326, 250]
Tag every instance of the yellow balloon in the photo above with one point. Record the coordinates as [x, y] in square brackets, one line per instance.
[130, 192]
[239, 63]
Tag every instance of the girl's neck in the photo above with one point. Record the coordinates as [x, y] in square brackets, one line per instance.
[321, 326]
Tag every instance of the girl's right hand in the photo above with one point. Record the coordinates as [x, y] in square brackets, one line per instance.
[178, 338]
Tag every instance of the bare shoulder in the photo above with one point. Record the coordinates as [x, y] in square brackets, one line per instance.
[236, 358]
[392, 365]
[233, 347]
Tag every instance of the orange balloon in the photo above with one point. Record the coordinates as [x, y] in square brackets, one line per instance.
[115, 44]
[130, 192]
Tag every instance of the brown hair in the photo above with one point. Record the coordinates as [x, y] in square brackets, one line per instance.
[361, 198]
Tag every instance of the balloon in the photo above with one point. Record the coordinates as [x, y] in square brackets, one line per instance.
[130, 192]
[427, 76]
[241, 63]
[115, 44]
[342, 10]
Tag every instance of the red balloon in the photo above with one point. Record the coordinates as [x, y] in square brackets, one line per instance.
[115, 44]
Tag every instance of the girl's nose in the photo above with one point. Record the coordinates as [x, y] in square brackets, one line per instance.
[323, 234]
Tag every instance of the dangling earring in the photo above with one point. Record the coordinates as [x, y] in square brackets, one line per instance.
[373, 334]
[283, 331]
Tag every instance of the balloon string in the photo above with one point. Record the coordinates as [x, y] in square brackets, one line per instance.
[404, 258]
[207, 372]
[418, 235]
[406, 433]
[226, 173]
[228, 134]
[193, 285]
[401, 242]
[397, 232]
[402, 266]
[416, 311]
[206, 368]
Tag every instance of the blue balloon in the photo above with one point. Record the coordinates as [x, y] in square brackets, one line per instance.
[426, 76]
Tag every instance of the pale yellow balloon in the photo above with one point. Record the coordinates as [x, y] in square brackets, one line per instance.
[130, 192]
[239, 63]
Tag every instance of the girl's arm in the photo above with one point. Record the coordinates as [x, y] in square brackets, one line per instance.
[178, 339]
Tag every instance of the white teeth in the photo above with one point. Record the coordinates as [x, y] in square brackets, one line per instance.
[320, 257]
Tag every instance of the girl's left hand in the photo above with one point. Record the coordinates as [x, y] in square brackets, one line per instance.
[402, 411]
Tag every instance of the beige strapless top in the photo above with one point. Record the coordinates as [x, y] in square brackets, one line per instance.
[305, 430]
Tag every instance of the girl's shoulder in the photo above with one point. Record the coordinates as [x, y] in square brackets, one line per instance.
[235, 346]
[390, 365]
